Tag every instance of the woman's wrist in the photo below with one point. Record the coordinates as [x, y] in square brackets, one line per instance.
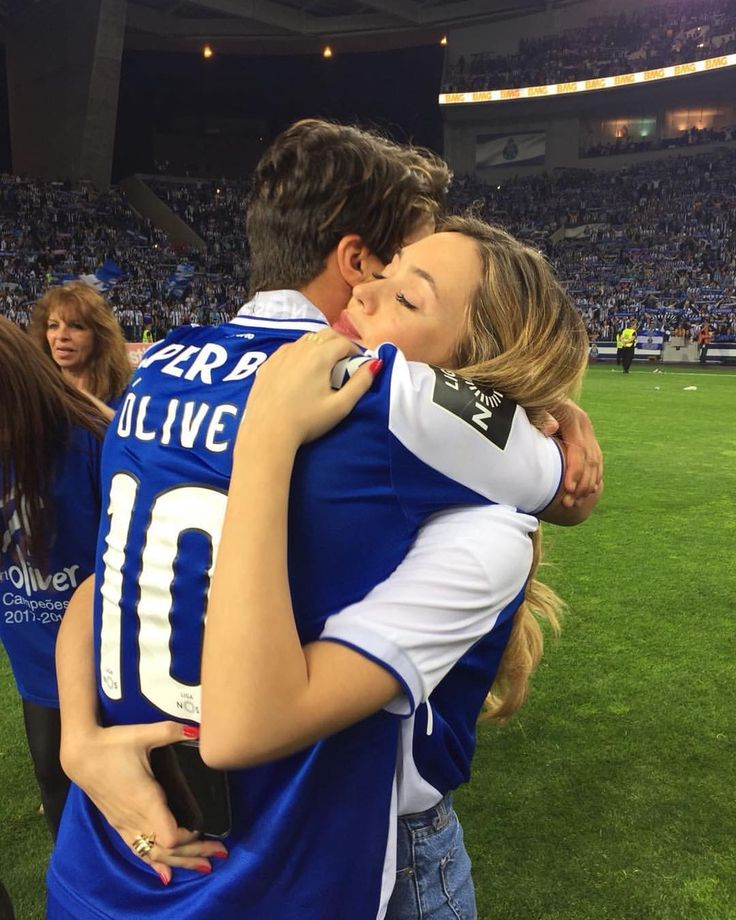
[269, 441]
[76, 743]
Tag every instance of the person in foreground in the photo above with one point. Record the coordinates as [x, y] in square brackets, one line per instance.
[472, 299]
[75, 326]
[50, 442]
[178, 424]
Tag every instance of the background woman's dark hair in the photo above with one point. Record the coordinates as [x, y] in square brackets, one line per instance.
[37, 411]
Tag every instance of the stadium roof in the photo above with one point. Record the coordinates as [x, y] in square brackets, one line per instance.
[291, 26]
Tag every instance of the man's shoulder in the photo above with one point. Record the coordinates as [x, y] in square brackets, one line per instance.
[423, 396]
[469, 432]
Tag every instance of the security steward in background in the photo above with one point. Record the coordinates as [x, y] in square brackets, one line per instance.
[627, 337]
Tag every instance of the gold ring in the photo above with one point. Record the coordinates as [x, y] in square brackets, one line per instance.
[143, 844]
[313, 337]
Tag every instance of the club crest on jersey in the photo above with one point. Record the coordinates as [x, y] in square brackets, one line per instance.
[489, 412]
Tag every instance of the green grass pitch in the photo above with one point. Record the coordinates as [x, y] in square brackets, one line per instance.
[611, 796]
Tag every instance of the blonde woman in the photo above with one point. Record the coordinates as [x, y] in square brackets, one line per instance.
[76, 327]
[487, 308]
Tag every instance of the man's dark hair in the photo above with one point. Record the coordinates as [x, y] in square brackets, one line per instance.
[320, 181]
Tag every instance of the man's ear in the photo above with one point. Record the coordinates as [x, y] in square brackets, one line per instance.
[355, 261]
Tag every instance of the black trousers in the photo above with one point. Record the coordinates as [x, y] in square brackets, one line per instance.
[6, 908]
[627, 356]
[43, 731]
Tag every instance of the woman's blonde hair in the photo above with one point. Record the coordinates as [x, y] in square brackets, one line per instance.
[523, 337]
[109, 366]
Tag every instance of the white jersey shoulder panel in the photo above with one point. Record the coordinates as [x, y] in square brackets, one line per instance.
[478, 438]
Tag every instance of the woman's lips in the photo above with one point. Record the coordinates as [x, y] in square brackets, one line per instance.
[344, 326]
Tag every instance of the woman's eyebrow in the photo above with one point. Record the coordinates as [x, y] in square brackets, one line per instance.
[426, 275]
[420, 272]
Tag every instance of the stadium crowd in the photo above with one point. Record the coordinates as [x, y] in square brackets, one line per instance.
[215, 211]
[51, 232]
[674, 33]
[690, 137]
[656, 241]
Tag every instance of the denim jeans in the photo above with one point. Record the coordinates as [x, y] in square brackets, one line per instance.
[433, 880]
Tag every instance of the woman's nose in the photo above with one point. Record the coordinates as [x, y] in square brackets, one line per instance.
[365, 296]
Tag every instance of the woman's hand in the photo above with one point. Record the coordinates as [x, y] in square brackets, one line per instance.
[293, 392]
[112, 767]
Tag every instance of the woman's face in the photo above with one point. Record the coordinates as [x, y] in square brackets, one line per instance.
[419, 301]
[71, 343]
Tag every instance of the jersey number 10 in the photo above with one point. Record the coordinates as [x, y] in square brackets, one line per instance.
[173, 512]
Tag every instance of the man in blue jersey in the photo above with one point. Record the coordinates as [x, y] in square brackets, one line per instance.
[323, 216]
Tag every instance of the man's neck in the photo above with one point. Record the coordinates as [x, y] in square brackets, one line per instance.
[329, 293]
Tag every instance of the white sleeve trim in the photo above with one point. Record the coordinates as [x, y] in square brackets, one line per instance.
[464, 568]
[365, 640]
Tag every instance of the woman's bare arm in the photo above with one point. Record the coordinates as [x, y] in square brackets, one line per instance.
[111, 765]
[288, 696]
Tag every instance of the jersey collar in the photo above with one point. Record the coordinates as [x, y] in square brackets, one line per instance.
[282, 305]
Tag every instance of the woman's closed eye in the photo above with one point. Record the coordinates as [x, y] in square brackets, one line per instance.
[404, 302]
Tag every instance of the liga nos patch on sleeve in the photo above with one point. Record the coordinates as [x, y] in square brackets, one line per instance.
[489, 412]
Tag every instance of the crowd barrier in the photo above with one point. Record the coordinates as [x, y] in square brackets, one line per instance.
[717, 353]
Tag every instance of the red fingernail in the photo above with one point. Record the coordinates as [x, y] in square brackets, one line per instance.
[375, 366]
[164, 880]
[190, 731]
[221, 854]
[204, 868]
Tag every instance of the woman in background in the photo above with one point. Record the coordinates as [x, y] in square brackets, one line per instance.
[76, 327]
[50, 438]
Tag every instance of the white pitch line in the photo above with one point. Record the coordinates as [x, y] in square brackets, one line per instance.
[703, 374]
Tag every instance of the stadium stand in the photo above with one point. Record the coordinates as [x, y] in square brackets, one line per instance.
[689, 137]
[52, 231]
[674, 33]
[655, 241]
[215, 211]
